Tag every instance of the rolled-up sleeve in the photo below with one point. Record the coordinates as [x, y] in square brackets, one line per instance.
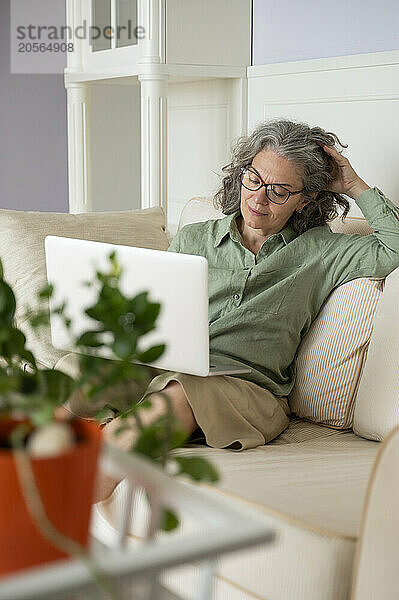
[376, 255]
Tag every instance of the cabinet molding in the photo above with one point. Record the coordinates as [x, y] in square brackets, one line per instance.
[171, 53]
[78, 108]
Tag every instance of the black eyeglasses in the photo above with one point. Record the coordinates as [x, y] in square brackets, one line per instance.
[276, 192]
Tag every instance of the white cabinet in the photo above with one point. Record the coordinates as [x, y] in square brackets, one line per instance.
[156, 88]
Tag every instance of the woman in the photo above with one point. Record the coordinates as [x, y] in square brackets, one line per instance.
[272, 263]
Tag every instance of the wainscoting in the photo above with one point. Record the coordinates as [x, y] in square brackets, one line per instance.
[354, 96]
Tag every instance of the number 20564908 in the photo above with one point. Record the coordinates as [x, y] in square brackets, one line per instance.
[43, 47]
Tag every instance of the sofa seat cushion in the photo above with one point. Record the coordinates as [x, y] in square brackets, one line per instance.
[319, 482]
[311, 482]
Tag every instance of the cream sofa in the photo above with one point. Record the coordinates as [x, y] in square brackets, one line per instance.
[331, 495]
[320, 486]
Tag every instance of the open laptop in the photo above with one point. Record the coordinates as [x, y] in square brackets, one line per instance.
[179, 282]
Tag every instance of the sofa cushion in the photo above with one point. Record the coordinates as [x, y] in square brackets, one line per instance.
[377, 402]
[197, 210]
[313, 490]
[22, 237]
[332, 354]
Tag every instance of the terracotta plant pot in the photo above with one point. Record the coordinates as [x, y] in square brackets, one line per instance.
[66, 485]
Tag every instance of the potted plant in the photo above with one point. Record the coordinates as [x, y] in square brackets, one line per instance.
[48, 467]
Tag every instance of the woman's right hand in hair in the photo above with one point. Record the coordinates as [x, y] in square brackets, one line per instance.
[345, 179]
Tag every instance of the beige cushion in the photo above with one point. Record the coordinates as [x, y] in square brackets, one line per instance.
[377, 403]
[311, 483]
[331, 356]
[22, 237]
[197, 210]
[350, 225]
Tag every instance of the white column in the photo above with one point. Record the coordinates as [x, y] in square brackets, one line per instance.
[239, 107]
[151, 16]
[73, 20]
[153, 140]
[78, 106]
[114, 23]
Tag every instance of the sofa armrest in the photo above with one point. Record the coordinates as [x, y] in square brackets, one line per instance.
[376, 562]
[377, 402]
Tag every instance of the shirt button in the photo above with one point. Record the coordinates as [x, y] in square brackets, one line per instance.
[236, 296]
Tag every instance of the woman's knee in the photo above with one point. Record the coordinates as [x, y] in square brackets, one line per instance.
[178, 402]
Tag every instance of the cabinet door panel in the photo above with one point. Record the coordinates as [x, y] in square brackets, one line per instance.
[110, 40]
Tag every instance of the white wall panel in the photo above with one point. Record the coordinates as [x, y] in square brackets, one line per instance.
[202, 120]
[115, 147]
[355, 97]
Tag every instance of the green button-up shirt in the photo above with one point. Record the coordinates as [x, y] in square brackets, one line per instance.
[261, 306]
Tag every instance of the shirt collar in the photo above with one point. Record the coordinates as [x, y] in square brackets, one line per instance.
[224, 226]
[228, 225]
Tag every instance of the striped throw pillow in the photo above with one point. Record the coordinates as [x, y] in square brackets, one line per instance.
[332, 354]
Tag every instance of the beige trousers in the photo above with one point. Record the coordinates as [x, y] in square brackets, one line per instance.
[232, 412]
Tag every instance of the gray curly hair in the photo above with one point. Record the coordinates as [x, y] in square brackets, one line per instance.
[299, 143]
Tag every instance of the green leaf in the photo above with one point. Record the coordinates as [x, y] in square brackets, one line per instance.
[149, 442]
[178, 438]
[139, 303]
[12, 342]
[59, 310]
[39, 318]
[7, 304]
[169, 520]
[116, 269]
[28, 383]
[8, 384]
[55, 385]
[144, 405]
[89, 339]
[159, 437]
[46, 292]
[124, 345]
[151, 354]
[29, 357]
[94, 313]
[197, 468]
[42, 414]
[145, 321]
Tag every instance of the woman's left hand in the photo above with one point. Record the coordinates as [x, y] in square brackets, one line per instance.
[345, 179]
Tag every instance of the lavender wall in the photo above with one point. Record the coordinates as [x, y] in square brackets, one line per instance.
[33, 126]
[288, 30]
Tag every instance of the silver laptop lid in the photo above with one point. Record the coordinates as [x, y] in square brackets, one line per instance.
[178, 281]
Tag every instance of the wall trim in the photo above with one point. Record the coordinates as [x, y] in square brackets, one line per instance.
[333, 99]
[352, 61]
[356, 96]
